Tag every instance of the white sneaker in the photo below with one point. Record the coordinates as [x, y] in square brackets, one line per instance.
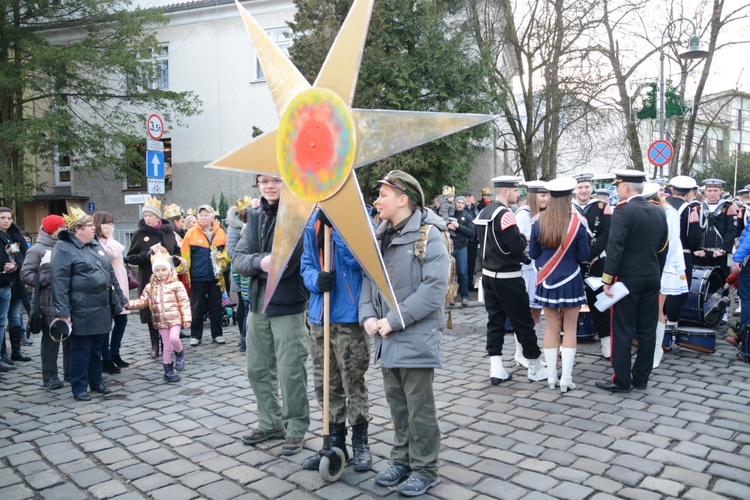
[219, 340]
[194, 342]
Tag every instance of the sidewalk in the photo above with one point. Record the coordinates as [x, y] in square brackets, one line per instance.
[686, 436]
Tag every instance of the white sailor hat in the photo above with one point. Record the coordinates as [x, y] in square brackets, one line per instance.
[743, 191]
[536, 186]
[650, 189]
[603, 191]
[562, 186]
[634, 176]
[583, 177]
[506, 181]
[683, 182]
[662, 181]
[713, 182]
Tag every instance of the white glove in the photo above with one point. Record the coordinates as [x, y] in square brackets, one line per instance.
[47, 258]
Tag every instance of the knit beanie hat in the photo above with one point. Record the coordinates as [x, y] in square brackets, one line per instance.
[460, 198]
[51, 223]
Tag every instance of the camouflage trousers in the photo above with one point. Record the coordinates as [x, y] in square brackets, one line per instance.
[350, 357]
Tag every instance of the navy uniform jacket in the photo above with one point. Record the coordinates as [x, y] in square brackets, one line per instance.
[598, 215]
[690, 229]
[638, 240]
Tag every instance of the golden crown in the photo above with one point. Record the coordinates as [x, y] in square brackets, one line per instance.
[172, 210]
[161, 258]
[449, 190]
[244, 203]
[191, 211]
[152, 202]
[485, 190]
[75, 217]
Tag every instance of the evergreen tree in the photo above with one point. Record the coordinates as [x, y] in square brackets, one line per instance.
[223, 207]
[416, 58]
[75, 82]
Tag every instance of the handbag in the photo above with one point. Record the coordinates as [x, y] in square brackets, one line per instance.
[115, 303]
[133, 282]
[36, 319]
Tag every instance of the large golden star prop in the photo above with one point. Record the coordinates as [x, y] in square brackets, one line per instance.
[321, 139]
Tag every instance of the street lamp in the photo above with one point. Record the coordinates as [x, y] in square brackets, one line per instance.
[693, 52]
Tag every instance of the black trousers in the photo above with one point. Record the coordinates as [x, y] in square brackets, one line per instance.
[602, 320]
[635, 316]
[674, 303]
[507, 299]
[205, 293]
[471, 250]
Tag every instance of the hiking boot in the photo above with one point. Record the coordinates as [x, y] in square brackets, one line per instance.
[258, 436]
[292, 446]
[337, 439]
[415, 486]
[362, 459]
[393, 475]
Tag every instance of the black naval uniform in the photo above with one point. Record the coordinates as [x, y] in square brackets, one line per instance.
[505, 296]
[598, 215]
[690, 237]
[719, 227]
[636, 253]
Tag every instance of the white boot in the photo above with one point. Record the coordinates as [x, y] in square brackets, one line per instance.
[551, 356]
[537, 372]
[568, 355]
[606, 351]
[658, 351]
[497, 371]
[520, 360]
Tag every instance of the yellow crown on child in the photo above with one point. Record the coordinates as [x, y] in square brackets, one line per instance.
[161, 258]
[449, 190]
[244, 203]
[172, 210]
[191, 211]
[75, 217]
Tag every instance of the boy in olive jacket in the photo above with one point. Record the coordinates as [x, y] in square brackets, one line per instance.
[409, 352]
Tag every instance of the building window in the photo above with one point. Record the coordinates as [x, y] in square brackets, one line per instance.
[62, 169]
[282, 37]
[161, 70]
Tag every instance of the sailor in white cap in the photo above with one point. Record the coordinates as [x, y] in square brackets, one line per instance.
[636, 253]
[598, 216]
[536, 201]
[683, 201]
[505, 294]
[719, 226]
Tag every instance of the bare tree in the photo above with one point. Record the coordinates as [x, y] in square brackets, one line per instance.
[538, 72]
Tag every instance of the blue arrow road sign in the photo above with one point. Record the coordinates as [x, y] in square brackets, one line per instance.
[154, 164]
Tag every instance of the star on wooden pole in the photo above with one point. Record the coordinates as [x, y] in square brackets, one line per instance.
[321, 140]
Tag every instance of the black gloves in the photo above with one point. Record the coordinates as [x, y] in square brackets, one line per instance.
[325, 281]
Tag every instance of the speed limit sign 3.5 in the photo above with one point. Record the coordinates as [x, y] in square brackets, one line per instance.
[155, 126]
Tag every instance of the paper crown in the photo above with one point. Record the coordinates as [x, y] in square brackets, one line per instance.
[152, 202]
[161, 258]
[172, 210]
[485, 191]
[449, 190]
[244, 203]
[191, 211]
[75, 217]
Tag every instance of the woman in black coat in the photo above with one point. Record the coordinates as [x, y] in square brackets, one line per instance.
[82, 278]
[152, 230]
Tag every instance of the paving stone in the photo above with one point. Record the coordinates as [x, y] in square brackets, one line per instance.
[44, 479]
[648, 467]
[624, 475]
[495, 488]
[535, 481]
[271, 487]
[663, 486]
[570, 491]
[174, 492]
[62, 492]
[17, 491]
[699, 494]
[90, 477]
[637, 494]
[603, 484]
[108, 490]
[732, 489]
[177, 468]
[672, 458]
[136, 471]
[8, 477]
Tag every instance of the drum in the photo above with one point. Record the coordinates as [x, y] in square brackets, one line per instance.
[585, 324]
[705, 303]
[696, 339]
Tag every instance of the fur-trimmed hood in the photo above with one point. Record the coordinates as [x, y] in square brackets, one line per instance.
[233, 218]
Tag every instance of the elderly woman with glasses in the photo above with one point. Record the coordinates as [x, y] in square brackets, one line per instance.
[82, 279]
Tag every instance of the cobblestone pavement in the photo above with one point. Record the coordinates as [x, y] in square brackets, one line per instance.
[686, 436]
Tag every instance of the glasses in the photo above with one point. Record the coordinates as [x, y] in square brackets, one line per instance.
[270, 181]
[90, 224]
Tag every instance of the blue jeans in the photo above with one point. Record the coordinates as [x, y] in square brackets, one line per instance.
[744, 282]
[5, 296]
[462, 271]
[85, 362]
[112, 341]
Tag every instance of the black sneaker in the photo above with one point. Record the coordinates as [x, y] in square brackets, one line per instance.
[53, 384]
[415, 486]
[292, 446]
[258, 436]
[392, 475]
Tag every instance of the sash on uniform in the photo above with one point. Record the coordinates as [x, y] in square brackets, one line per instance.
[552, 264]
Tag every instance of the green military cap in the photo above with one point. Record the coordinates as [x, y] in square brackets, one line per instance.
[401, 180]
